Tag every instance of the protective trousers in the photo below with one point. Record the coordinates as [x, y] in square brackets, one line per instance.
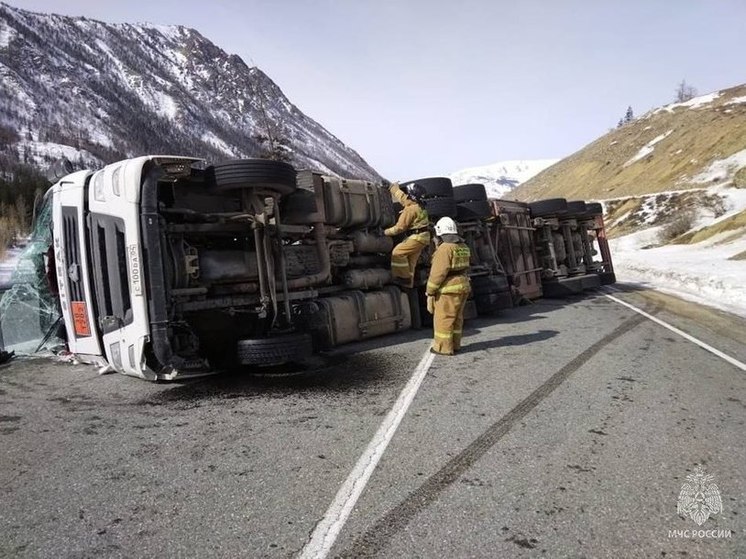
[448, 322]
[404, 259]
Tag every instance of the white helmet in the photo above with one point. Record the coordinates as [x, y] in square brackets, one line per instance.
[445, 226]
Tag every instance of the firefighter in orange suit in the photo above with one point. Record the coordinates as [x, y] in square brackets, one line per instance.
[414, 223]
[448, 287]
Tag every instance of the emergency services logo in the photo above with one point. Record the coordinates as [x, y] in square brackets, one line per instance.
[699, 497]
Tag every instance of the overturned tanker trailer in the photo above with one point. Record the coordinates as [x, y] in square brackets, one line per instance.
[165, 267]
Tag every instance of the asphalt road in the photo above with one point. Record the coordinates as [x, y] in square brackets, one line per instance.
[564, 429]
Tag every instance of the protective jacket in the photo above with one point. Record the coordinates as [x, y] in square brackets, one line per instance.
[413, 219]
[448, 269]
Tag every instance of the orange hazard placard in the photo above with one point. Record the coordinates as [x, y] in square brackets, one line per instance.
[80, 318]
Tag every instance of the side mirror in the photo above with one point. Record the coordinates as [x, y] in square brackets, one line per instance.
[60, 168]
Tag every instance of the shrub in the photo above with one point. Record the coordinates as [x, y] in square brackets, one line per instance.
[680, 225]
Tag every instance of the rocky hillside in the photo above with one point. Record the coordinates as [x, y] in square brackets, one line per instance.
[97, 92]
[694, 144]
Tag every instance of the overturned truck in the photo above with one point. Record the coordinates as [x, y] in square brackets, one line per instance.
[165, 267]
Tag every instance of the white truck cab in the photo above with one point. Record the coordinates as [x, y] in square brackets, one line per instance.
[99, 254]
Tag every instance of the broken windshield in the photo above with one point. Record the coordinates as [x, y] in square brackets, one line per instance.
[30, 316]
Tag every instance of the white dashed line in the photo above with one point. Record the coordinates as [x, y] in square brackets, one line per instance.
[327, 530]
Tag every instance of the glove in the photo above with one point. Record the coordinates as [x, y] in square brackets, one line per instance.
[431, 304]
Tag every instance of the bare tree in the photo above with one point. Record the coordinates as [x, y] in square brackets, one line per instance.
[272, 138]
[684, 92]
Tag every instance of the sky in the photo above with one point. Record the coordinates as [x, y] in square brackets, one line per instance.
[425, 88]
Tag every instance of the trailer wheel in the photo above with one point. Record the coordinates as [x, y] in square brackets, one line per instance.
[607, 278]
[469, 193]
[593, 209]
[477, 209]
[489, 303]
[563, 287]
[489, 284]
[548, 207]
[274, 176]
[576, 207]
[435, 187]
[277, 350]
[441, 207]
[591, 281]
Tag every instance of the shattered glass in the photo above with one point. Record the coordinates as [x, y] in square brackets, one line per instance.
[30, 317]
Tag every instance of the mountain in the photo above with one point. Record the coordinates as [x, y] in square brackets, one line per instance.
[680, 146]
[98, 92]
[501, 178]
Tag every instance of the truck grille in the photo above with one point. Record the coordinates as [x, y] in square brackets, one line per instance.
[71, 242]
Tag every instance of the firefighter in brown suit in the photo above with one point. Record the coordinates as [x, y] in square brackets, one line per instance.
[448, 287]
[414, 223]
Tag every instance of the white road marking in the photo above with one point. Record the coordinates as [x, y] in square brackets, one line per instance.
[700, 343]
[327, 530]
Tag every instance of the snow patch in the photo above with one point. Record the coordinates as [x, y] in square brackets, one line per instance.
[212, 139]
[737, 100]
[7, 34]
[694, 103]
[500, 178]
[647, 149]
[722, 168]
[700, 272]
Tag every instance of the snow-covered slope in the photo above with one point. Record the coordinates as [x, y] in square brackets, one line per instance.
[99, 92]
[706, 264]
[501, 178]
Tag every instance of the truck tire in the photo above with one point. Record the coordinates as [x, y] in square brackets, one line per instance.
[548, 207]
[277, 350]
[591, 281]
[593, 209]
[275, 176]
[607, 278]
[576, 207]
[415, 309]
[489, 284]
[469, 193]
[489, 303]
[441, 207]
[476, 209]
[435, 187]
[563, 287]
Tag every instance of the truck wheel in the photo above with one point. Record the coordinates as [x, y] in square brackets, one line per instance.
[563, 287]
[607, 278]
[593, 209]
[275, 176]
[476, 209]
[469, 193]
[490, 303]
[591, 281]
[548, 207]
[435, 187]
[576, 207]
[277, 350]
[489, 284]
[415, 309]
[441, 207]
